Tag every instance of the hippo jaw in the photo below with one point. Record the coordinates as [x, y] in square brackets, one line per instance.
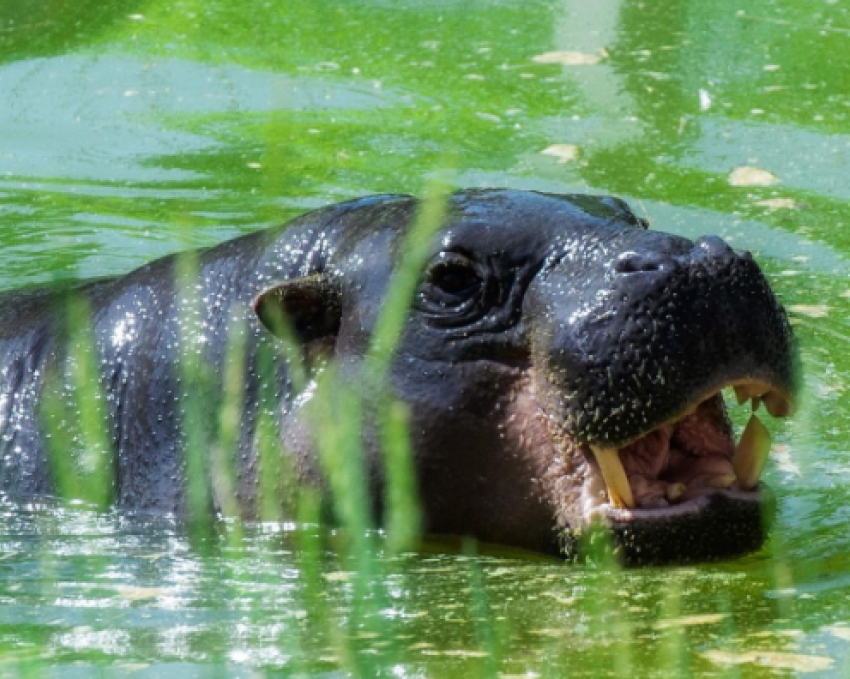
[683, 491]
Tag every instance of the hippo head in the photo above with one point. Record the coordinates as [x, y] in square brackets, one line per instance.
[563, 366]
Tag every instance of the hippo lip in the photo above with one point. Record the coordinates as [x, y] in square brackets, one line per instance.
[670, 470]
[722, 524]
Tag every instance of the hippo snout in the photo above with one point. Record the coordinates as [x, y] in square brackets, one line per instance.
[714, 249]
[632, 345]
[677, 321]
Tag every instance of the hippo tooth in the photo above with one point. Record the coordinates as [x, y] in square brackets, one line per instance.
[674, 491]
[776, 404]
[746, 392]
[720, 482]
[756, 401]
[619, 490]
[751, 454]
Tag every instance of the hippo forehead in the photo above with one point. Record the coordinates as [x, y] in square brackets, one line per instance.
[511, 235]
[523, 226]
[504, 223]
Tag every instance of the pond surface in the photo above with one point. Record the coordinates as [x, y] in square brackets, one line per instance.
[133, 128]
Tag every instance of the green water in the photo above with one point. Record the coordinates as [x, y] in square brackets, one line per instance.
[133, 128]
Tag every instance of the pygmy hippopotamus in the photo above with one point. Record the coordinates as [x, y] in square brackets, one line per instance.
[561, 365]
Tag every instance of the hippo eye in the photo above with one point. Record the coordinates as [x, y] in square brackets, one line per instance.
[454, 278]
[450, 280]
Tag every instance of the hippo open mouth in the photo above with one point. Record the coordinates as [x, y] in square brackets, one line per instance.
[693, 456]
[684, 478]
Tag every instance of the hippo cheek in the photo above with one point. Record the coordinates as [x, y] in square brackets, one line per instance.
[482, 446]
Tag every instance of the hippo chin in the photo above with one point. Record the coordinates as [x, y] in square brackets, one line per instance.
[561, 365]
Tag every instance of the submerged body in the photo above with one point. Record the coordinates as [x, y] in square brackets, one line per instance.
[561, 365]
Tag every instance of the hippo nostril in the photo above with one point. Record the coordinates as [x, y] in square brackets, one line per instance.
[712, 247]
[641, 262]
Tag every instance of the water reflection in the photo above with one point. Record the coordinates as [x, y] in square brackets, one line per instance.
[104, 118]
[109, 589]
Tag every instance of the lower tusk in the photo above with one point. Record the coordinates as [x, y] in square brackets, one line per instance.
[674, 491]
[616, 481]
[751, 454]
[720, 482]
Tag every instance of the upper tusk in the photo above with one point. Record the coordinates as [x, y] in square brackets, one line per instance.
[616, 481]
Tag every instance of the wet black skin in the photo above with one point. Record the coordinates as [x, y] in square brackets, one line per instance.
[541, 307]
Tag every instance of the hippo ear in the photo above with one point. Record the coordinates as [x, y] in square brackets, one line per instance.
[309, 306]
[624, 212]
